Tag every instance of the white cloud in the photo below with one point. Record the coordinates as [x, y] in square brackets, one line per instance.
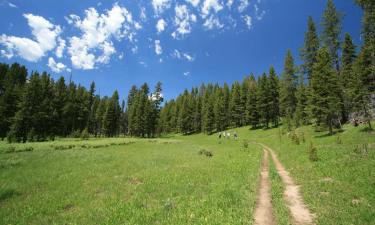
[195, 3]
[135, 49]
[143, 15]
[121, 56]
[98, 30]
[137, 26]
[158, 49]
[160, 25]
[181, 55]
[230, 3]
[12, 5]
[56, 67]
[60, 48]
[243, 5]
[188, 57]
[259, 14]
[182, 21]
[248, 21]
[212, 22]
[186, 73]
[210, 5]
[160, 5]
[44, 39]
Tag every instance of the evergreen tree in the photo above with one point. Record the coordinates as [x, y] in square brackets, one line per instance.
[288, 88]
[251, 104]
[331, 23]
[273, 85]
[13, 79]
[236, 107]
[346, 78]
[208, 114]
[302, 114]
[325, 91]
[111, 116]
[263, 103]
[360, 92]
[186, 114]
[219, 110]
[310, 48]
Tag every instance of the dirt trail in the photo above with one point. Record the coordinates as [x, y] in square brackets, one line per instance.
[263, 214]
[298, 209]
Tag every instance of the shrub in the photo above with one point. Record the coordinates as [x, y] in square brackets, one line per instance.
[10, 149]
[85, 134]
[294, 136]
[75, 134]
[313, 153]
[338, 140]
[205, 152]
[245, 143]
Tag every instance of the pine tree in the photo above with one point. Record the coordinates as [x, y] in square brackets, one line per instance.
[186, 114]
[219, 110]
[273, 85]
[310, 48]
[331, 23]
[263, 103]
[288, 88]
[360, 92]
[13, 81]
[236, 107]
[111, 117]
[208, 114]
[251, 104]
[302, 114]
[346, 76]
[226, 103]
[325, 91]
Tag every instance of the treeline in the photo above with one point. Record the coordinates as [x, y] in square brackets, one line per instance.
[37, 108]
[334, 83]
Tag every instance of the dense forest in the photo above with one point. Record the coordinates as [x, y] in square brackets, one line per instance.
[335, 83]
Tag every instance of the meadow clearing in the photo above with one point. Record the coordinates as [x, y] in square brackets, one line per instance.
[175, 179]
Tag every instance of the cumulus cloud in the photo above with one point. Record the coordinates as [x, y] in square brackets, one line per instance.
[181, 55]
[44, 40]
[98, 30]
[182, 21]
[60, 48]
[160, 5]
[158, 49]
[187, 73]
[56, 67]
[243, 5]
[195, 3]
[160, 25]
[212, 22]
[143, 15]
[259, 14]
[230, 3]
[210, 5]
[12, 5]
[248, 21]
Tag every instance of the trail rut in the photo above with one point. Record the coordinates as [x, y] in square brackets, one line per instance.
[263, 214]
[300, 213]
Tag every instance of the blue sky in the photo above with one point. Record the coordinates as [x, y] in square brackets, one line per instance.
[180, 43]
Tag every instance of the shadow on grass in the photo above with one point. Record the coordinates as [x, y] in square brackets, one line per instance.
[367, 130]
[8, 193]
[329, 134]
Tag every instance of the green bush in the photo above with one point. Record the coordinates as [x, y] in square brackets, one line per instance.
[85, 134]
[313, 153]
[245, 143]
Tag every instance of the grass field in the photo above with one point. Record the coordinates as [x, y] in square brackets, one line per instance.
[168, 181]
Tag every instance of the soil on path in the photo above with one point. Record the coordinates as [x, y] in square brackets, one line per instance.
[298, 209]
[263, 214]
